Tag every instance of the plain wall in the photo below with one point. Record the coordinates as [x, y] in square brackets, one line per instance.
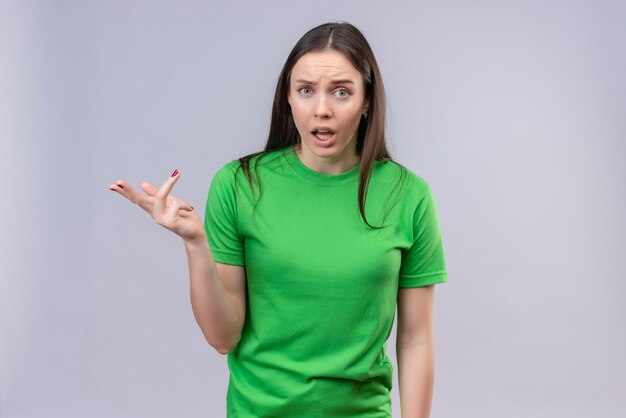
[513, 112]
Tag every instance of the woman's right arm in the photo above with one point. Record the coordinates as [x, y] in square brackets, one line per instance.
[218, 291]
[218, 296]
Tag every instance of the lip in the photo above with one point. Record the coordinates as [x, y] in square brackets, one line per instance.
[328, 143]
[328, 128]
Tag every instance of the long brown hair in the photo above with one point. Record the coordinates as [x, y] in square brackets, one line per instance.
[348, 40]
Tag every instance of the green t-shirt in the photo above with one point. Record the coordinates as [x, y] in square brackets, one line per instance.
[322, 285]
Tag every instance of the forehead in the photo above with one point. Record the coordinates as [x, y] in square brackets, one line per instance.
[330, 63]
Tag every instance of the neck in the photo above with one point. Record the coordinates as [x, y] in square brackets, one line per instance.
[328, 165]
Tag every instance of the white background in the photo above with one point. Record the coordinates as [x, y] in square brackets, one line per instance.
[513, 112]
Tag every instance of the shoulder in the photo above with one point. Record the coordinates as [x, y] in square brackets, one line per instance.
[248, 167]
[226, 173]
[228, 168]
[235, 165]
[263, 159]
[408, 181]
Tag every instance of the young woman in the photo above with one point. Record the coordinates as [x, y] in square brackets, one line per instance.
[308, 246]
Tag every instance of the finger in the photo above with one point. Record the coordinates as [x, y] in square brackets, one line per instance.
[160, 197]
[125, 190]
[117, 186]
[183, 205]
[172, 213]
[149, 188]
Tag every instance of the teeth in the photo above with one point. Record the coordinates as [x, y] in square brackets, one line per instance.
[323, 137]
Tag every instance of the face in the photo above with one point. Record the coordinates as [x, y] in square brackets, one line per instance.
[327, 99]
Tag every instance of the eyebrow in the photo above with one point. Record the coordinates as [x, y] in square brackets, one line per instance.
[344, 81]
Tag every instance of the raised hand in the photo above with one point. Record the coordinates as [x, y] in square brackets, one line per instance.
[168, 211]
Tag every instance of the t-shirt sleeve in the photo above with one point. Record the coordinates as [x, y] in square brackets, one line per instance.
[220, 218]
[424, 262]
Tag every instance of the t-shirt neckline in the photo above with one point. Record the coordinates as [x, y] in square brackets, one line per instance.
[314, 176]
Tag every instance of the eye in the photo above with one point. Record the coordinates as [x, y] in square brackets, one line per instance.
[304, 90]
[343, 93]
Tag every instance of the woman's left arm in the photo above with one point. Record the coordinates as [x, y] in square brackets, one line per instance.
[415, 350]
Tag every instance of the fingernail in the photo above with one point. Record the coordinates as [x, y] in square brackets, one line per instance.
[120, 186]
[192, 207]
[174, 173]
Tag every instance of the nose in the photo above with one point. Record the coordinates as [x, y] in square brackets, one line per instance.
[322, 109]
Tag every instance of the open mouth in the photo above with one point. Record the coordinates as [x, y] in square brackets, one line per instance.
[323, 134]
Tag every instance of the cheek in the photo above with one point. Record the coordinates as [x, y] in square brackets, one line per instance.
[353, 117]
[297, 114]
